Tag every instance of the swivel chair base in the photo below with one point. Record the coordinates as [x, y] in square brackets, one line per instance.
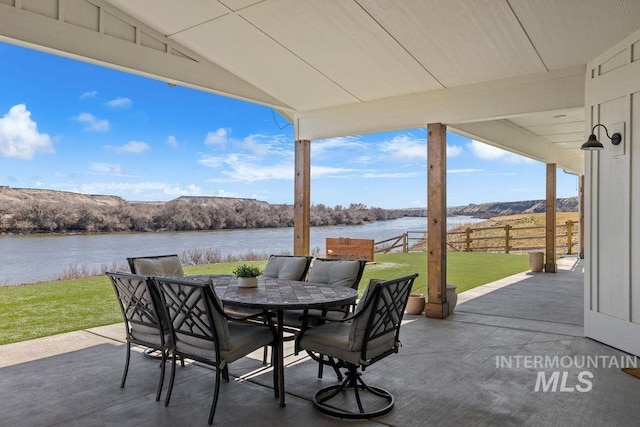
[353, 388]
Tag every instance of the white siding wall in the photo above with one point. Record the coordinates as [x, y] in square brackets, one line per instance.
[612, 278]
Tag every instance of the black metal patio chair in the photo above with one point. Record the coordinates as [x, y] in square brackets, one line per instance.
[144, 320]
[202, 331]
[332, 272]
[359, 341]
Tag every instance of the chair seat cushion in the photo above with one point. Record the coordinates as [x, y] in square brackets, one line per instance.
[243, 339]
[333, 339]
[241, 311]
[148, 335]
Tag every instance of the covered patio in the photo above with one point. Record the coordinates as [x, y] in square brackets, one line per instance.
[458, 371]
[534, 77]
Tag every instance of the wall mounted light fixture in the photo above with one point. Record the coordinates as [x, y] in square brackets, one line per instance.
[593, 144]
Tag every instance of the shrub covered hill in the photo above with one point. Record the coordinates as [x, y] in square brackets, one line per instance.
[25, 210]
[490, 210]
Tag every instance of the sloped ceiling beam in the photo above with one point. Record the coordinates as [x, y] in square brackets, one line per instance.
[130, 47]
[548, 91]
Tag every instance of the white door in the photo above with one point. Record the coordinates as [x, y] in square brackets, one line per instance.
[612, 195]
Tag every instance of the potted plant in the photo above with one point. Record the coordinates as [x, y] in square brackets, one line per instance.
[247, 275]
[415, 304]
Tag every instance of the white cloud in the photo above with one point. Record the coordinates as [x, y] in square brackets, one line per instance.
[220, 137]
[391, 175]
[135, 147]
[403, 147]
[453, 150]
[211, 161]
[333, 172]
[322, 146]
[247, 171]
[464, 171]
[89, 94]
[246, 168]
[106, 168]
[92, 123]
[261, 145]
[406, 146]
[236, 167]
[120, 103]
[19, 136]
[172, 141]
[488, 152]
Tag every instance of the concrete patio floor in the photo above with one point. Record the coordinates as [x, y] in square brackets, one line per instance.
[462, 371]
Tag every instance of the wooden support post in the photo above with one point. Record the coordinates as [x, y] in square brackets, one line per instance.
[581, 213]
[507, 245]
[569, 237]
[437, 305]
[468, 242]
[550, 265]
[302, 198]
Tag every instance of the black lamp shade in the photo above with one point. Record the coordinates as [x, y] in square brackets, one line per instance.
[592, 144]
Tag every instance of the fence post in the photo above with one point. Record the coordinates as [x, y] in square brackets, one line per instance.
[468, 230]
[405, 243]
[569, 236]
[506, 238]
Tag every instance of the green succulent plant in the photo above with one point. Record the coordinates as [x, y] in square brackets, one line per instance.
[245, 270]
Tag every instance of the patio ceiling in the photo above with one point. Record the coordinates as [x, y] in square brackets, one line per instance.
[507, 72]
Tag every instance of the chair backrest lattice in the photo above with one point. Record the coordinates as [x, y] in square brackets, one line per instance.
[195, 313]
[378, 320]
[139, 303]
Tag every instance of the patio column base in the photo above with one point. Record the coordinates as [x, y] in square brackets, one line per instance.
[551, 267]
[436, 310]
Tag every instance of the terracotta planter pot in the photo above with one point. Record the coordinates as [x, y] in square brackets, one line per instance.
[415, 305]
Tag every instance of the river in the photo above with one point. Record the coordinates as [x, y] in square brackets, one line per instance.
[36, 258]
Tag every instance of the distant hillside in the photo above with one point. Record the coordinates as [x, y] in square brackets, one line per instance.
[489, 210]
[24, 210]
[217, 208]
[10, 196]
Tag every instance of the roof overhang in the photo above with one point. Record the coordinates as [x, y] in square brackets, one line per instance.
[509, 73]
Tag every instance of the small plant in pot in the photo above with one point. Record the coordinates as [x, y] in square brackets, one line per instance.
[247, 275]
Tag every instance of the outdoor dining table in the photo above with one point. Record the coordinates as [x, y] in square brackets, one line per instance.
[276, 296]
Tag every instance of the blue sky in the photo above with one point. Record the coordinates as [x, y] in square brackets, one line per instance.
[67, 125]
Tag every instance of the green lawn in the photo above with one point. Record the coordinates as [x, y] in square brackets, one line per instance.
[50, 308]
